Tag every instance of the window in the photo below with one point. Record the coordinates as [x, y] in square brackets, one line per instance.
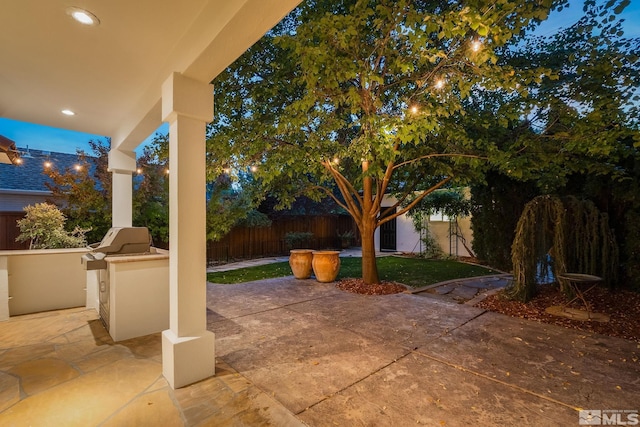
[438, 216]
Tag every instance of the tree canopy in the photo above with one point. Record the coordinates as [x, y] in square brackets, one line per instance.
[85, 192]
[375, 97]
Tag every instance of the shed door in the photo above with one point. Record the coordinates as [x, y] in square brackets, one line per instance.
[388, 235]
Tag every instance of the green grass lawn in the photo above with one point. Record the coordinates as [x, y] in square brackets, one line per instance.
[414, 272]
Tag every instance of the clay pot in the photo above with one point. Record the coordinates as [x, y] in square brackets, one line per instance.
[300, 262]
[326, 265]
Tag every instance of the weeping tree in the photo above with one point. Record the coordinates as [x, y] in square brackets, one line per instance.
[556, 236]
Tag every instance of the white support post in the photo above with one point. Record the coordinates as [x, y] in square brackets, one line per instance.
[4, 288]
[122, 164]
[187, 347]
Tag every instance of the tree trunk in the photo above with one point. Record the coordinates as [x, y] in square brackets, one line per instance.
[369, 266]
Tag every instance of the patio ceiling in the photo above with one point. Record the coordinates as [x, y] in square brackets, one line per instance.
[111, 74]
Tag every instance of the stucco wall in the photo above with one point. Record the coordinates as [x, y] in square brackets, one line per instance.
[138, 295]
[408, 239]
[41, 280]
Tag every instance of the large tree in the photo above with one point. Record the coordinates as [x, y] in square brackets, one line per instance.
[371, 97]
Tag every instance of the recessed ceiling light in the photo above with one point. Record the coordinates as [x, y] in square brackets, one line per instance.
[67, 112]
[83, 16]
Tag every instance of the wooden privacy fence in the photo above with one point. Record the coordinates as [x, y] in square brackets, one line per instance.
[256, 242]
[9, 231]
[241, 242]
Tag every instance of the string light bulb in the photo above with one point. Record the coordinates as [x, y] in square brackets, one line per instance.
[476, 45]
[439, 84]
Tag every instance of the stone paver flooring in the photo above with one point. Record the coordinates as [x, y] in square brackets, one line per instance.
[298, 352]
[61, 368]
[467, 291]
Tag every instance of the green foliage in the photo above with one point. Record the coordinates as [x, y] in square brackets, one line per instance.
[579, 112]
[232, 205]
[85, 191]
[297, 240]
[151, 191]
[346, 238]
[373, 97]
[412, 272]
[580, 133]
[43, 227]
[451, 202]
[497, 206]
[430, 247]
[631, 249]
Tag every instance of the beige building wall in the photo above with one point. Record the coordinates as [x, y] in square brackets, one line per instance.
[41, 280]
[408, 238]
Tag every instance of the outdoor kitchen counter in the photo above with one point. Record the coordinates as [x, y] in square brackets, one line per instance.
[132, 293]
[159, 254]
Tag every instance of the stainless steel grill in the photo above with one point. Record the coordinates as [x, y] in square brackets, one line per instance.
[117, 241]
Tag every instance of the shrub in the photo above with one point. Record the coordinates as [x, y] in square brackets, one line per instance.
[296, 240]
[43, 225]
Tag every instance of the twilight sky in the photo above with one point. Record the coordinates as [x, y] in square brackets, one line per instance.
[65, 141]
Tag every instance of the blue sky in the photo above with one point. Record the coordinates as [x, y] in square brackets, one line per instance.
[65, 141]
[54, 139]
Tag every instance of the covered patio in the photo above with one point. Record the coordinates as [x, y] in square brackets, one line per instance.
[284, 352]
[120, 69]
[297, 352]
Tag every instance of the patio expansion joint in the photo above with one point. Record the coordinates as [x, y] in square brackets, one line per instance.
[495, 380]
[145, 391]
[372, 373]
[21, 393]
[447, 331]
[487, 377]
[253, 313]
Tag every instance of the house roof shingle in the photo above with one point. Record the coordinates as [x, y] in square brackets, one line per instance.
[29, 175]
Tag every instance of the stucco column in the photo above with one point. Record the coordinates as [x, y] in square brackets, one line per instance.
[187, 347]
[122, 164]
[4, 288]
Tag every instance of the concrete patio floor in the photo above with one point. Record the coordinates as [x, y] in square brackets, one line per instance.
[297, 352]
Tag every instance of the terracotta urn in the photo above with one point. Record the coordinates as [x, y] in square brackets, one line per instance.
[326, 265]
[300, 262]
